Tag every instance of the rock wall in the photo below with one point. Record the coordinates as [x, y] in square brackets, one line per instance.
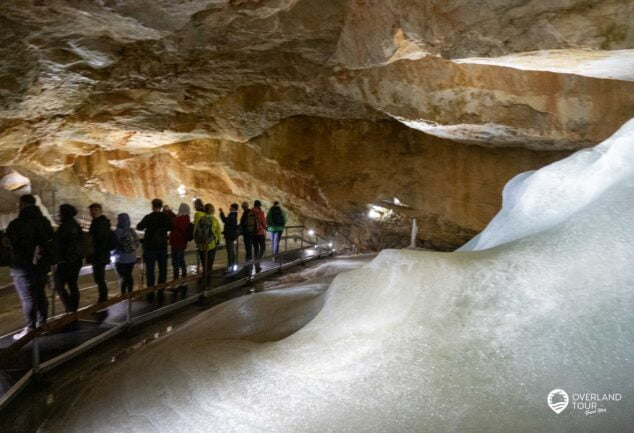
[328, 107]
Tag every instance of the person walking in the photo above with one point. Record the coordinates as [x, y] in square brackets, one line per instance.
[32, 244]
[103, 241]
[276, 221]
[156, 226]
[69, 245]
[231, 234]
[206, 236]
[125, 253]
[247, 237]
[256, 223]
[182, 232]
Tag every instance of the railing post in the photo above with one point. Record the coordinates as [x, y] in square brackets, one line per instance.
[301, 239]
[142, 267]
[285, 239]
[35, 352]
[128, 315]
[281, 257]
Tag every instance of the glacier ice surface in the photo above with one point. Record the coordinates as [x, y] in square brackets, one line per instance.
[470, 341]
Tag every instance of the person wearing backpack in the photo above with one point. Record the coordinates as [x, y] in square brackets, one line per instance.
[69, 241]
[182, 232]
[276, 221]
[125, 253]
[103, 241]
[244, 231]
[156, 225]
[256, 224]
[206, 236]
[231, 234]
[32, 242]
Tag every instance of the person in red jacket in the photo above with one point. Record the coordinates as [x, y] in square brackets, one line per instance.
[181, 234]
[259, 236]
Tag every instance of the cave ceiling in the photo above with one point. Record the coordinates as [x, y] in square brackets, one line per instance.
[437, 101]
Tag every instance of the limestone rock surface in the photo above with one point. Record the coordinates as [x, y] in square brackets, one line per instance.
[330, 107]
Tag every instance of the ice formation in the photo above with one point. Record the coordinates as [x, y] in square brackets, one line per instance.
[470, 341]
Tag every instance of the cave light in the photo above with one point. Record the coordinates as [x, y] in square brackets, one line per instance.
[311, 232]
[181, 190]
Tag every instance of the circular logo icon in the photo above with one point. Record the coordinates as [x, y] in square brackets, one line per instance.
[558, 400]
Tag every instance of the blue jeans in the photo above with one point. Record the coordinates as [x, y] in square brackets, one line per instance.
[151, 257]
[30, 286]
[275, 242]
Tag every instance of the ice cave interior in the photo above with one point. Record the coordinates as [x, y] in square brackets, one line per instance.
[474, 159]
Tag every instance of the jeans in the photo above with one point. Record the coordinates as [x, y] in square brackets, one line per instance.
[99, 275]
[30, 287]
[178, 263]
[126, 280]
[207, 261]
[248, 247]
[275, 242]
[67, 274]
[259, 245]
[151, 257]
[231, 253]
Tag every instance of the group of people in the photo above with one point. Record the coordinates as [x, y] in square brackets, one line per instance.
[35, 247]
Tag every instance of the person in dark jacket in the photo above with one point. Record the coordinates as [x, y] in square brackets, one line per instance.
[181, 234]
[246, 236]
[125, 253]
[231, 234]
[69, 241]
[156, 225]
[102, 245]
[30, 235]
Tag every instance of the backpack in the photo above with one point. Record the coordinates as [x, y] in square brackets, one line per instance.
[253, 223]
[203, 233]
[276, 216]
[129, 241]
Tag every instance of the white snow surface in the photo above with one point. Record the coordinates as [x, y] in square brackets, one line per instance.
[469, 341]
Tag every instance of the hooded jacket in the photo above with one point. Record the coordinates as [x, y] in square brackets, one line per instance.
[262, 219]
[27, 231]
[123, 225]
[269, 220]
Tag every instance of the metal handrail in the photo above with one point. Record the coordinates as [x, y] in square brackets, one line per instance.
[87, 270]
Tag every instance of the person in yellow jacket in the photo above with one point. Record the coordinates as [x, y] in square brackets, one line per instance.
[206, 237]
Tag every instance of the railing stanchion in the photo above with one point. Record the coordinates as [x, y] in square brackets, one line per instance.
[281, 258]
[128, 314]
[301, 239]
[285, 239]
[35, 352]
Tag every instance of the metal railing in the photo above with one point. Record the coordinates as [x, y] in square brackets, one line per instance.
[287, 258]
